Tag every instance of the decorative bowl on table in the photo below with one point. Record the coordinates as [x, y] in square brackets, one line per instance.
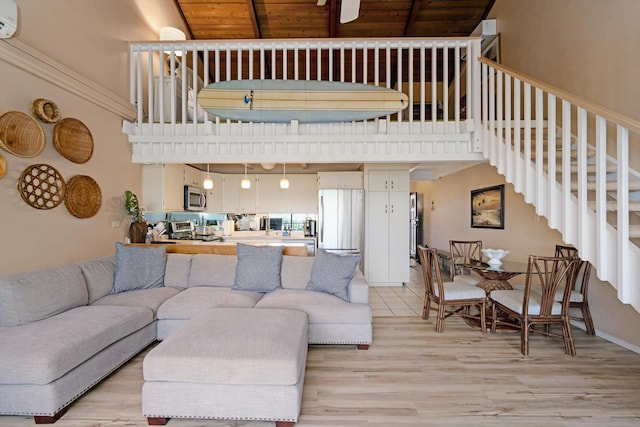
[495, 256]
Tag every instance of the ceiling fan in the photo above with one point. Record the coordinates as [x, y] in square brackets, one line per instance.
[349, 10]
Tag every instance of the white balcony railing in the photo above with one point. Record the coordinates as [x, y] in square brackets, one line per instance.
[440, 77]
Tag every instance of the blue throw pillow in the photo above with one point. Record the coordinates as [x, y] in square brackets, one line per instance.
[138, 267]
[331, 273]
[258, 268]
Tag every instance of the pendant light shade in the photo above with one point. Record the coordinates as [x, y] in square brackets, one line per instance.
[208, 182]
[172, 34]
[284, 181]
[246, 182]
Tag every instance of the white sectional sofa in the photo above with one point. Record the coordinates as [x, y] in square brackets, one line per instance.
[65, 328]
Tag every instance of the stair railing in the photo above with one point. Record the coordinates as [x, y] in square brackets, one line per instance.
[559, 174]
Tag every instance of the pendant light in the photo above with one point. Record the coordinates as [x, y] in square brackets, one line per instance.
[208, 182]
[284, 181]
[246, 182]
[172, 34]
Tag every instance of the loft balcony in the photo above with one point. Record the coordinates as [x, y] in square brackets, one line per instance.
[440, 77]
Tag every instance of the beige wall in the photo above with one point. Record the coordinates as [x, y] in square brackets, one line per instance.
[90, 38]
[586, 47]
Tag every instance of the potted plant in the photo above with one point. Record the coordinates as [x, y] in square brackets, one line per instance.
[138, 228]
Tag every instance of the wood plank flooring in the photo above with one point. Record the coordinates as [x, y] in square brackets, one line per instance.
[412, 376]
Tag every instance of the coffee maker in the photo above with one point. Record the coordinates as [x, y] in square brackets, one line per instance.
[309, 227]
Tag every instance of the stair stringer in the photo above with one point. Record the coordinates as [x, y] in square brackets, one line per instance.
[578, 223]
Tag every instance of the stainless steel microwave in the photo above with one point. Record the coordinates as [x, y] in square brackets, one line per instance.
[195, 199]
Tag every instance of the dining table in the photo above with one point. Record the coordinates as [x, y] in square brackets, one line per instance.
[496, 276]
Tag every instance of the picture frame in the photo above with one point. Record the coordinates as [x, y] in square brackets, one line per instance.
[487, 207]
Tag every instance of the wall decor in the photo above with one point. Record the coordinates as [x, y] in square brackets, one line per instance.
[45, 110]
[73, 140]
[3, 166]
[487, 207]
[20, 134]
[82, 197]
[41, 186]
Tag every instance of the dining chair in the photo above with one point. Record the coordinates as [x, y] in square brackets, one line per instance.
[580, 288]
[449, 298]
[523, 309]
[462, 252]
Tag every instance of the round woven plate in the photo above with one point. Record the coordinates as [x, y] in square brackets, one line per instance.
[3, 166]
[45, 110]
[20, 134]
[73, 140]
[82, 197]
[41, 186]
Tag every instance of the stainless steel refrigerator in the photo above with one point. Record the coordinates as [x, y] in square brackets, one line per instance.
[341, 221]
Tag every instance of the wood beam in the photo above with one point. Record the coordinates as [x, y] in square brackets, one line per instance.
[411, 19]
[251, 8]
[333, 18]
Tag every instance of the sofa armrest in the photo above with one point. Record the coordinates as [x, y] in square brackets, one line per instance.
[359, 289]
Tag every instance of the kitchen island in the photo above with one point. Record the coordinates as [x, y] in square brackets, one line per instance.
[295, 242]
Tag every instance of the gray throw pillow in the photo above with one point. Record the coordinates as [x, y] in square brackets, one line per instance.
[139, 267]
[258, 268]
[331, 273]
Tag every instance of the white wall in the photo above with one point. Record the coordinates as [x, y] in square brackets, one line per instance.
[90, 38]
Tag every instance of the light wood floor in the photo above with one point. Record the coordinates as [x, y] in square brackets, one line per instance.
[412, 376]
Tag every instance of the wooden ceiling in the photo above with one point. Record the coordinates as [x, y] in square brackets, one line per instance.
[258, 19]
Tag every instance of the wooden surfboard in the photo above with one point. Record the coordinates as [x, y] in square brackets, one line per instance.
[307, 101]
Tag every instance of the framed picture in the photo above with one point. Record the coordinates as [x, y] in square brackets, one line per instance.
[487, 207]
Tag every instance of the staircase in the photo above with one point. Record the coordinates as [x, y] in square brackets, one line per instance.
[570, 159]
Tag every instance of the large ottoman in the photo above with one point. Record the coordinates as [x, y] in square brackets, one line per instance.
[229, 363]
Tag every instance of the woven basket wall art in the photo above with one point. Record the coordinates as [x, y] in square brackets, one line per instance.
[41, 186]
[3, 166]
[73, 140]
[20, 134]
[82, 197]
[45, 110]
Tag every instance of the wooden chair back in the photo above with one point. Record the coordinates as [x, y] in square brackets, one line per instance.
[462, 252]
[549, 273]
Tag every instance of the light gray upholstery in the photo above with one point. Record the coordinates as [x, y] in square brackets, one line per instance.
[41, 352]
[150, 298]
[177, 270]
[36, 295]
[212, 270]
[98, 275]
[229, 363]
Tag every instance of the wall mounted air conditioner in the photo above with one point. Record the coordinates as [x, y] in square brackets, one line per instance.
[8, 18]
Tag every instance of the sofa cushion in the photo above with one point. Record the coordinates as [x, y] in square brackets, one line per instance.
[319, 306]
[177, 270]
[139, 267]
[99, 274]
[296, 271]
[212, 270]
[190, 301]
[258, 268]
[41, 352]
[36, 295]
[331, 273]
[150, 298]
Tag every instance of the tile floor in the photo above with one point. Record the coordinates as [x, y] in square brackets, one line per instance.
[396, 301]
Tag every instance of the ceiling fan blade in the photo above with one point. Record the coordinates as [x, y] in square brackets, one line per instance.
[349, 10]
[321, 2]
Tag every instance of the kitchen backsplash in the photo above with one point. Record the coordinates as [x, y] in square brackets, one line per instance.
[292, 221]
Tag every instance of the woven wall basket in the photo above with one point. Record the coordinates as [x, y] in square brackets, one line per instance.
[45, 110]
[83, 197]
[73, 140]
[41, 186]
[20, 134]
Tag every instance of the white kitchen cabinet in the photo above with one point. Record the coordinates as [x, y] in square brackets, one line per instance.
[193, 176]
[393, 180]
[215, 195]
[347, 180]
[387, 238]
[271, 198]
[236, 199]
[163, 187]
[303, 193]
